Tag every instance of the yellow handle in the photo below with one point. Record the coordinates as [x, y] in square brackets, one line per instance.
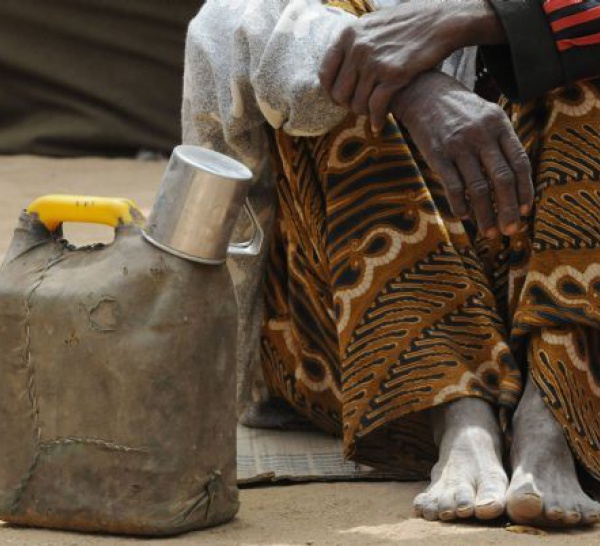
[53, 210]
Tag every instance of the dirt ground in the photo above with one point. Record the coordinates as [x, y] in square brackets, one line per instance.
[342, 514]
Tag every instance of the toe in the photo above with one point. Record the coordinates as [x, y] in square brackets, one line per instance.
[554, 512]
[524, 504]
[591, 517]
[447, 505]
[590, 512]
[465, 501]
[426, 505]
[489, 508]
[418, 504]
[572, 515]
[430, 510]
[491, 499]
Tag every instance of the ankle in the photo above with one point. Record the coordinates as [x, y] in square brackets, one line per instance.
[474, 416]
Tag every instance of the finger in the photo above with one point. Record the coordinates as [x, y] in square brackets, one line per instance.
[379, 105]
[362, 93]
[345, 84]
[504, 182]
[479, 194]
[330, 66]
[453, 184]
[520, 165]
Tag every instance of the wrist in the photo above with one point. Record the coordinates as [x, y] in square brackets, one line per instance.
[405, 100]
[481, 23]
[465, 23]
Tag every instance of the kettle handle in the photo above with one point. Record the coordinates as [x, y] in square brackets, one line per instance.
[54, 210]
[253, 246]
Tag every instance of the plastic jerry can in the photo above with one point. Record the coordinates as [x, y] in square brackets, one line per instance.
[117, 379]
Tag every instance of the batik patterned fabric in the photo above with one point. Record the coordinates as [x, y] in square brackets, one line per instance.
[381, 305]
[557, 281]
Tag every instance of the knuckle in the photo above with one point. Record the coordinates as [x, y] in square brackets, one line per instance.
[376, 66]
[491, 124]
[455, 146]
[474, 127]
[348, 35]
[503, 176]
[454, 190]
[458, 144]
[438, 150]
[362, 48]
[494, 113]
[521, 163]
[479, 189]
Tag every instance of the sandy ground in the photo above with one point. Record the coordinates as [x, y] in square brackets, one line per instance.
[358, 514]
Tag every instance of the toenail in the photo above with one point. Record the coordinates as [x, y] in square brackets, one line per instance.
[572, 517]
[554, 511]
[465, 511]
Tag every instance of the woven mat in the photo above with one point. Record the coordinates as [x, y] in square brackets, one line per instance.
[268, 456]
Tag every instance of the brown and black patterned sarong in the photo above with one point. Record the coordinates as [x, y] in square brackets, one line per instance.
[381, 305]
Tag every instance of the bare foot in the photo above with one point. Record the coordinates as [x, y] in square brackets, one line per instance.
[468, 479]
[544, 489]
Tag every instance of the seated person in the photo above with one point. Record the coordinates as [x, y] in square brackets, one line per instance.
[426, 296]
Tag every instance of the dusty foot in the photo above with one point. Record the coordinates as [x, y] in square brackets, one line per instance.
[544, 489]
[468, 479]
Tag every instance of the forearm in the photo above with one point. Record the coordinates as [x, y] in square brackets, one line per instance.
[483, 26]
[467, 23]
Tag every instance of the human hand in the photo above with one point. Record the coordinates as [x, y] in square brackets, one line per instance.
[470, 143]
[385, 50]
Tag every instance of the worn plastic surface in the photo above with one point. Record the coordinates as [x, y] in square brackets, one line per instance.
[117, 387]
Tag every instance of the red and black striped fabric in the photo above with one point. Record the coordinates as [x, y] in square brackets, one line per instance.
[574, 23]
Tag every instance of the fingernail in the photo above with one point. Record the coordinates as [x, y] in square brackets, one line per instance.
[492, 233]
[511, 228]
[525, 209]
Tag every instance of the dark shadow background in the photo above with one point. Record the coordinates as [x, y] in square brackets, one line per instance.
[91, 77]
